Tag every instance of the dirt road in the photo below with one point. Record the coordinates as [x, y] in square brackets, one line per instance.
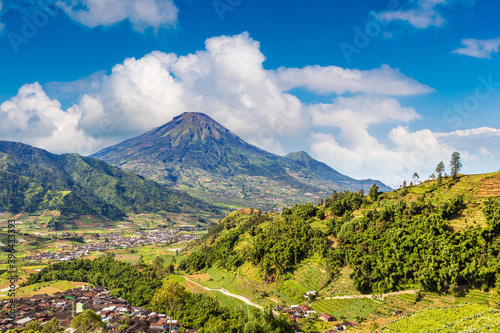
[227, 293]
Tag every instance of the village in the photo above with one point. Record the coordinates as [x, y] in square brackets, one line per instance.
[117, 314]
[110, 242]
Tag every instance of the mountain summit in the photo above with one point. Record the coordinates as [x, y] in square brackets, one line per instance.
[195, 153]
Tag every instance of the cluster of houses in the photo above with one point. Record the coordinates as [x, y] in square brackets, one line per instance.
[298, 312]
[65, 306]
[112, 241]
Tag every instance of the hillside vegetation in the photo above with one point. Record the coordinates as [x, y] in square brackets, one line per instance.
[33, 180]
[430, 237]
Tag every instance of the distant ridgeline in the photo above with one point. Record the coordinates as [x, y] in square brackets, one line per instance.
[33, 180]
[392, 241]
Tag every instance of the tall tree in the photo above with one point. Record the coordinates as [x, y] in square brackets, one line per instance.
[439, 171]
[88, 321]
[415, 178]
[52, 326]
[373, 194]
[170, 298]
[455, 164]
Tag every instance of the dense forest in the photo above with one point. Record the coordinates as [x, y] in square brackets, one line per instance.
[33, 180]
[395, 244]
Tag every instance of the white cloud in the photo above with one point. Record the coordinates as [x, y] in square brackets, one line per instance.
[332, 79]
[228, 82]
[479, 48]
[141, 13]
[408, 152]
[353, 115]
[475, 132]
[34, 118]
[422, 16]
[418, 18]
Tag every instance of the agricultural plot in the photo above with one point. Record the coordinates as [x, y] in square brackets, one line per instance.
[341, 284]
[193, 287]
[48, 288]
[349, 309]
[459, 318]
[231, 303]
[128, 257]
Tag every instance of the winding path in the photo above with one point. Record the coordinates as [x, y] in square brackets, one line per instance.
[249, 302]
[227, 293]
[376, 296]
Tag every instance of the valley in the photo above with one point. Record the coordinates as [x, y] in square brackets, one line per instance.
[340, 248]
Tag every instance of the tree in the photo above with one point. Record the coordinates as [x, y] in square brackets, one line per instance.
[415, 178]
[439, 170]
[404, 184]
[170, 298]
[158, 262]
[52, 326]
[455, 164]
[432, 177]
[33, 325]
[373, 194]
[87, 321]
[265, 322]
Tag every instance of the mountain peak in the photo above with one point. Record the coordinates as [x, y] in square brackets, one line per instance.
[197, 116]
[299, 156]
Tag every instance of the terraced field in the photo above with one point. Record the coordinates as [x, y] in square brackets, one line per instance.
[341, 284]
[458, 318]
[232, 303]
[248, 282]
[349, 309]
[311, 276]
[489, 186]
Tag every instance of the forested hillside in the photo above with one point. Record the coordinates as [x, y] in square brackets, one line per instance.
[399, 240]
[33, 180]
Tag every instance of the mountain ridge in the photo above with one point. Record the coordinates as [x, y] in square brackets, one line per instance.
[195, 153]
[34, 180]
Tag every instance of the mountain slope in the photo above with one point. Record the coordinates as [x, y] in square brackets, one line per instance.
[196, 154]
[33, 180]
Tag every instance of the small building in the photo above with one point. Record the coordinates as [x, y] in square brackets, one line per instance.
[310, 295]
[327, 317]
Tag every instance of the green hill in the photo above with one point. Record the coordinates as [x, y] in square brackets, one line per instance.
[196, 154]
[413, 238]
[33, 180]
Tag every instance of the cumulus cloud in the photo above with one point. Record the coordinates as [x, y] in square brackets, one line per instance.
[332, 79]
[407, 152]
[227, 81]
[424, 15]
[353, 115]
[34, 118]
[141, 13]
[478, 48]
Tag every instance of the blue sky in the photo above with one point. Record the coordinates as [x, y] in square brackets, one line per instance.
[375, 89]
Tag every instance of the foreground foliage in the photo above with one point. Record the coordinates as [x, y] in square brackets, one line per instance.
[391, 247]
